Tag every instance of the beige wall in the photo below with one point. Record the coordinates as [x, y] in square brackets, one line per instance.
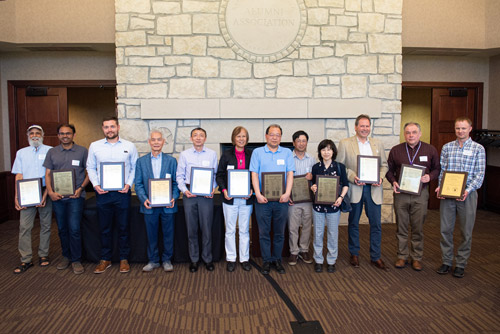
[449, 69]
[55, 21]
[472, 24]
[416, 107]
[86, 109]
[47, 66]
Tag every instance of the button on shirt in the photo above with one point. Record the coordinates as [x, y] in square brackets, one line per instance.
[264, 160]
[74, 158]
[470, 158]
[189, 158]
[304, 165]
[156, 165]
[364, 148]
[29, 162]
[103, 151]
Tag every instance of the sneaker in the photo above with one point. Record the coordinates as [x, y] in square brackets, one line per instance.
[167, 266]
[149, 267]
[102, 266]
[77, 268]
[63, 264]
[279, 267]
[305, 257]
[124, 266]
[292, 260]
[331, 268]
[458, 272]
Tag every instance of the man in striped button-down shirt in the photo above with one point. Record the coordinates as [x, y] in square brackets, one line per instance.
[461, 155]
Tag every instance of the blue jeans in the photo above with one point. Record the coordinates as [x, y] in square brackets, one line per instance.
[373, 211]
[332, 241]
[167, 226]
[113, 206]
[277, 213]
[69, 215]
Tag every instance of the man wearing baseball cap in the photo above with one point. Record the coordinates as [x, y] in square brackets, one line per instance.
[29, 165]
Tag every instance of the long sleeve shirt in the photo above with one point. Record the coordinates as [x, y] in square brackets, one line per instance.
[189, 158]
[103, 151]
[470, 158]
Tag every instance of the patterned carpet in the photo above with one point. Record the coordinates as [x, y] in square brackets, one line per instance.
[364, 300]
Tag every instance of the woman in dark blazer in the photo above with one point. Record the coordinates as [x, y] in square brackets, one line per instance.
[236, 209]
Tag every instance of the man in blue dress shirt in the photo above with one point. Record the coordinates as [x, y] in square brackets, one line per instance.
[112, 204]
[272, 158]
[157, 165]
[198, 209]
[28, 165]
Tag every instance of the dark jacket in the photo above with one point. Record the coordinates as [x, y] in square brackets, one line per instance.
[228, 158]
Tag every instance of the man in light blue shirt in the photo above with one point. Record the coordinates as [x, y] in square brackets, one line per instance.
[112, 204]
[28, 165]
[197, 209]
[272, 158]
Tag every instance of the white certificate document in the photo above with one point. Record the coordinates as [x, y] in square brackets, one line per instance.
[368, 170]
[29, 193]
[112, 176]
[239, 183]
[201, 181]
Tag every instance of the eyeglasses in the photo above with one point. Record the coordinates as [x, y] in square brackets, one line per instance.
[65, 133]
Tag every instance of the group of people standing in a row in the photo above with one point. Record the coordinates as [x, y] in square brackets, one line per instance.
[38, 160]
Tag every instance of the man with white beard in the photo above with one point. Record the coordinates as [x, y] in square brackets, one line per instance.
[28, 165]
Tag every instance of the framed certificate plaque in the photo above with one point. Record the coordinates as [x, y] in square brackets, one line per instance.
[453, 184]
[301, 190]
[238, 183]
[410, 179]
[160, 192]
[273, 185]
[63, 182]
[112, 176]
[202, 181]
[328, 189]
[368, 169]
[29, 192]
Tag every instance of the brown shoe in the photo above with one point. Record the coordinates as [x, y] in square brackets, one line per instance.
[354, 261]
[77, 268]
[102, 266]
[400, 263]
[292, 260]
[416, 265]
[380, 264]
[124, 266]
[305, 257]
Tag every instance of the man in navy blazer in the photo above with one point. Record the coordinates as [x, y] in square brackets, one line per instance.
[157, 165]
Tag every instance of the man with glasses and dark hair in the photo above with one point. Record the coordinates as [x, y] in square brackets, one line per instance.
[69, 209]
[272, 158]
[112, 205]
[28, 165]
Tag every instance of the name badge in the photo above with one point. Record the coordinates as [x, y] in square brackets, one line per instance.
[280, 162]
[168, 176]
[230, 166]
[468, 153]
[41, 156]
[423, 158]
[75, 163]
[205, 163]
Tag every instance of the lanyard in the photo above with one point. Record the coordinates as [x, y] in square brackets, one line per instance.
[408, 153]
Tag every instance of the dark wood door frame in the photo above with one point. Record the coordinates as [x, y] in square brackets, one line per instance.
[13, 85]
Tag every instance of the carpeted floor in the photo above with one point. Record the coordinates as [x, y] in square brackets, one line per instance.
[364, 300]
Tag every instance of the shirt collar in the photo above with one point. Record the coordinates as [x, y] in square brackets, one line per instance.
[267, 150]
[158, 157]
[107, 142]
[306, 155]
[359, 141]
[202, 150]
[63, 149]
[466, 143]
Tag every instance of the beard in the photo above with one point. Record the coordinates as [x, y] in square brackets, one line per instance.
[35, 142]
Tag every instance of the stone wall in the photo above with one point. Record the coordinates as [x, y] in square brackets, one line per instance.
[179, 65]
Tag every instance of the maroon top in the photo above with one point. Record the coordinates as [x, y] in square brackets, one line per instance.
[423, 154]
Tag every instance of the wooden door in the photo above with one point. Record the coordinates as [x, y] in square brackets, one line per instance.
[447, 105]
[47, 107]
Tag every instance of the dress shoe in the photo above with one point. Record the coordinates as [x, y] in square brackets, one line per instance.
[354, 261]
[102, 266]
[416, 265]
[331, 268]
[401, 263]
[246, 266]
[444, 269]
[304, 256]
[379, 264]
[279, 267]
[124, 266]
[266, 268]
[193, 267]
[318, 267]
[63, 264]
[292, 260]
[210, 266]
[231, 266]
[458, 272]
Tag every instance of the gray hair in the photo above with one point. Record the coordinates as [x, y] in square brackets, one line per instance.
[413, 123]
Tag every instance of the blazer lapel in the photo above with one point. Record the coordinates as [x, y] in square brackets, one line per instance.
[374, 147]
[355, 147]
[150, 167]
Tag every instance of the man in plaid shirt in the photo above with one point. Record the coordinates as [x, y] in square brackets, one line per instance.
[461, 155]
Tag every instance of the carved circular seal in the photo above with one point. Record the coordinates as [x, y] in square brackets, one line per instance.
[263, 30]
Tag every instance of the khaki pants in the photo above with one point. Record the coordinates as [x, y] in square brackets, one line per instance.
[411, 211]
[26, 222]
[299, 215]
